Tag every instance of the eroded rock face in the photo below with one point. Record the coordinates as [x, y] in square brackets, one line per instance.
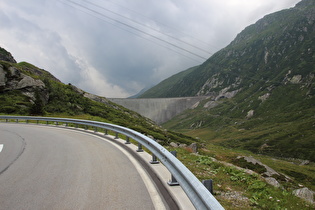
[13, 79]
[6, 56]
[2, 77]
[269, 171]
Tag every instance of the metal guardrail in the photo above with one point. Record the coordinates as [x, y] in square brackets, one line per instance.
[198, 194]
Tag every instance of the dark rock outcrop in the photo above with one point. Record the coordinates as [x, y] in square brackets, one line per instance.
[6, 56]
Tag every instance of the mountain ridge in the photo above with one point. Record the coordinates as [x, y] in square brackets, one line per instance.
[260, 88]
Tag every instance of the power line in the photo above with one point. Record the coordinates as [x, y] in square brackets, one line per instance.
[136, 29]
[168, 26]
[151, 28]
[132, 32]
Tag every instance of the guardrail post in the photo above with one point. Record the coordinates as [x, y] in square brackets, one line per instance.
[106, 132]
[46, 122]
[66, 124]
[6, 120]
[76, 126]
[37, 121]
[154, 158]
[127, 140]
[173, 181]
[26, 121]
[208, 184]
[139, 148]
[95, 129]
[116, 136]
[17, 121]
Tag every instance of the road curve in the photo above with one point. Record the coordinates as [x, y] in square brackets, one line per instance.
[41, 168]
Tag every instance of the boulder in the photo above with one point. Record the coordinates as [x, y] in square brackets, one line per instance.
[28, 81]
[173, 144]
[305, 194]
[250, 114]
[272, 181]
[194, 147]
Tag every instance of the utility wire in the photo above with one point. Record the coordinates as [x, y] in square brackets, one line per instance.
[160, 23]
[132, 32]
[136, 29]
[137, 22]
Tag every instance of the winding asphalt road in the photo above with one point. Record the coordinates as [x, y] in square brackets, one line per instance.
[45, 168]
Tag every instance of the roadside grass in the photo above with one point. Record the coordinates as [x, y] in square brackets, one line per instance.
[301, 174]
[234, 188]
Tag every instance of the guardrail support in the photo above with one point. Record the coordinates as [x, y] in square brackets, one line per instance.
[173, 181]
[127, 140]
[106, 132]
[17, 121]
[95, 129]
[139, 148]
[116, 135]
[154, 158]
[208, 184]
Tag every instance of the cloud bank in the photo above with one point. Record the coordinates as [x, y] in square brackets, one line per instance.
[116, 48]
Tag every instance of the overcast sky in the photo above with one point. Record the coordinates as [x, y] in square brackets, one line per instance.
[114, 48]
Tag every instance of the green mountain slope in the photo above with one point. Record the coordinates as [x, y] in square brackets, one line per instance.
[162, 89]
[260, 88]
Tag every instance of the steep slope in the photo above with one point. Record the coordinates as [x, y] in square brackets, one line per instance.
[260, 88]
[28, 90]
[264, 51]
[162, 90]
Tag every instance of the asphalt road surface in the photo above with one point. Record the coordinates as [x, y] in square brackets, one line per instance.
[42, 167]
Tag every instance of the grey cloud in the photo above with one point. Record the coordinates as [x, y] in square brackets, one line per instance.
[104, 57]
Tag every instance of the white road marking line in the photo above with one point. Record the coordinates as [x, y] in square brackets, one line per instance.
[1, 147]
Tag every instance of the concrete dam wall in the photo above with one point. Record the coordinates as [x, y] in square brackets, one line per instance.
[159, 110]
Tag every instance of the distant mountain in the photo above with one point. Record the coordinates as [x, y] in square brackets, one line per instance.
[260, 87]
[162, 90]
[141, 92]
[28, 90]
